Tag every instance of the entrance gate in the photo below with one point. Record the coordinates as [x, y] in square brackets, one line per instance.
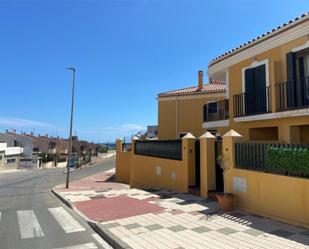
[197, 164]
[219, 171]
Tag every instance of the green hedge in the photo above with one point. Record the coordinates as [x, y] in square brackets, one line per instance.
[292, 161]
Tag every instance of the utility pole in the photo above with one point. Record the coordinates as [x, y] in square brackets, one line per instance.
[71, 126]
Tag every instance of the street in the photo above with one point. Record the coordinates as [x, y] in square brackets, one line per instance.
[32, 217]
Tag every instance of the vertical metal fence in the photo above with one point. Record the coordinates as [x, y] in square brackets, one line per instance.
[254, 155]
[169, 149]
[292, 94]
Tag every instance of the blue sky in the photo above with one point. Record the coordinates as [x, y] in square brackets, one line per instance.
[125, 52]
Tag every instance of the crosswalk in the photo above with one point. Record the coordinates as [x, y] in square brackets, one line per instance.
[65, 220]
[29, 226]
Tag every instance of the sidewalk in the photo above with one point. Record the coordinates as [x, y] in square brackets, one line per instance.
[133, 218]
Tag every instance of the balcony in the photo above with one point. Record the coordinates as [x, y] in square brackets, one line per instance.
[252, 103]
[216, 114]
[51, 151]
[292, 95]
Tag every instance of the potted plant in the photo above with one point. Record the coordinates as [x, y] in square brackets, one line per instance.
[225, 200]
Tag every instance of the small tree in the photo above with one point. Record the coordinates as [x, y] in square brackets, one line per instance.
[224, 162]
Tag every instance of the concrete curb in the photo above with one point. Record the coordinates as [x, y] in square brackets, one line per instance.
[110, 238]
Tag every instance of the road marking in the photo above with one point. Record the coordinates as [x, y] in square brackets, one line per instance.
[65, 220]
[82, 246]
[101, 241]
[29, 226]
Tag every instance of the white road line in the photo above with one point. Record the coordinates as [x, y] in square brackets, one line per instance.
[65, 220]
[82, 246]
[101, 241]
[29, 226]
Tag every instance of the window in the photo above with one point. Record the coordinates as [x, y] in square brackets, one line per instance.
[51, 145]
[255, 87]
[10, 161]
[302, 63]
[298, 78]
[213, 107]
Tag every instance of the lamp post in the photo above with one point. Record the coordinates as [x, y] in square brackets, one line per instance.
[71, 126]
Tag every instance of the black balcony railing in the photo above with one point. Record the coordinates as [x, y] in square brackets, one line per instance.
[216, 111]
[253, 102]
[168, 149]
[292, 94]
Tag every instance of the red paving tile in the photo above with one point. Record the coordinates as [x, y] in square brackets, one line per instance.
[95, 182]
[116, 208]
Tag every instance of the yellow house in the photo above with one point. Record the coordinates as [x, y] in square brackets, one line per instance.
[257, 91]
[267, 82]
[181, 111]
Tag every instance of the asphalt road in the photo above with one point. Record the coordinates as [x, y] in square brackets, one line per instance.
[32, 217]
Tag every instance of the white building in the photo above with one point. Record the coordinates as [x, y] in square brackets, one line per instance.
[9, 156]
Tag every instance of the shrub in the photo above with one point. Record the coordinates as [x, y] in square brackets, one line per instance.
[294, 161]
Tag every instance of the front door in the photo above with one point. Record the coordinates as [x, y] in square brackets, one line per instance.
[219, 171]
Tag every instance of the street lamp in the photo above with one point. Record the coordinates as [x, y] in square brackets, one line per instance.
[71, 126]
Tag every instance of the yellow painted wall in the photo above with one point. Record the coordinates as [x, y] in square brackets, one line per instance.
[277, 74]
[174, 174]
[123, 163]
[144, 173]
[123, 166]
[190, 115]
[281, 197]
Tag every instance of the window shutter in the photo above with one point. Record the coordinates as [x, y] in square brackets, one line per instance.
[249, 80]
[291, 66]
[291, 76]
[249, 89]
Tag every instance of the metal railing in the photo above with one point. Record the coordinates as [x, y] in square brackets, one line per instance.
[216, 111]
[292, 94]
[257, 156]
[168, 149]
[253, 102]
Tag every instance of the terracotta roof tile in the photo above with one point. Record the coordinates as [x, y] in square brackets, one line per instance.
[289, 23]
[214, 86]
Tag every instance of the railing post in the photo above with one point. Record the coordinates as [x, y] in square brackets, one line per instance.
[207, 163]
[188, 158]
[228, 153]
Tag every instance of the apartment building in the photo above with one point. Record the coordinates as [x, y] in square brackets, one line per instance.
[267, 86]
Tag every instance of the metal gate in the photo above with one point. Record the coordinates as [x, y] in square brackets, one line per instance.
[219, 171]
[197, 164]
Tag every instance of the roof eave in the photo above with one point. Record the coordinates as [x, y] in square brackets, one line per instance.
[259, 40]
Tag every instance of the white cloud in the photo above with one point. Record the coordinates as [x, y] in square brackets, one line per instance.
[125, 127]
[23, 123]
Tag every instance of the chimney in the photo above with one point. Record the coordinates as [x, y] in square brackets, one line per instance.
[200, 80]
